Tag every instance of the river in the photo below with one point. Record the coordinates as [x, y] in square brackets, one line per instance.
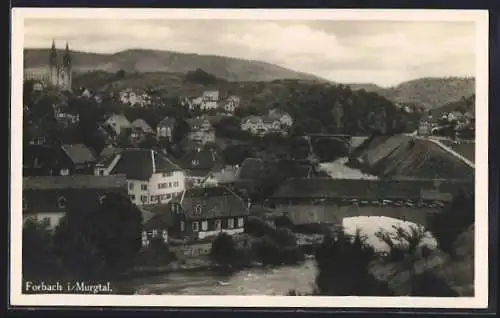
[256, 281]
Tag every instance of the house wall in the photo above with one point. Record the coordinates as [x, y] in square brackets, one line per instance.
[173, 184]
[164, 131]
[208, 104]
[308, 213]
[148, 235]
[170, 185]
[208, 228]
[52, 219]
[192, 250]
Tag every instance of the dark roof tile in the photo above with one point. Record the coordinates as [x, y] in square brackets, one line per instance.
[139, 164]
[400, 189]
[79, 153]
[213, 201]
[74, 182]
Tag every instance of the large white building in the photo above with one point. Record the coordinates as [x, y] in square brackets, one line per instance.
[152, 177]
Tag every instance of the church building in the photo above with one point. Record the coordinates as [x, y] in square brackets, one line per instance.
[59, 71]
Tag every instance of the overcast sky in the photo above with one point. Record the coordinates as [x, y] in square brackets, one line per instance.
[385, 53]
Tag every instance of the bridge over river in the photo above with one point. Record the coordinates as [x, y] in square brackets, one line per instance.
[326, 200]
[326, 147]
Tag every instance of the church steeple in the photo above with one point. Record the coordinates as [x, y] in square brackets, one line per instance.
[67, 56]
[53, 55]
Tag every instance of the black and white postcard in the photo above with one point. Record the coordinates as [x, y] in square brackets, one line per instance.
[249, 158]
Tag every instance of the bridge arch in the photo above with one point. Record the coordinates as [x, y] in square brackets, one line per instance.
[330, 148]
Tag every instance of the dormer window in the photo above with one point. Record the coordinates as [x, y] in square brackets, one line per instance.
[101, 198]
[195, 162]
[197, 209]
[61, 202]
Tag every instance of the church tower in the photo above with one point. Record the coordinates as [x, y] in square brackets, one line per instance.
[60, 70]
[53, 65]
[67, 69]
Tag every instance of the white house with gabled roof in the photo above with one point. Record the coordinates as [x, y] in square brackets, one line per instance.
[152, 177]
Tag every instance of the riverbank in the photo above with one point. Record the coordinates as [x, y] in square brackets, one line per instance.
[250, 281]
[199, 264]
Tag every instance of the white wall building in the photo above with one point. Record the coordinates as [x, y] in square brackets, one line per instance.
[210, 100]
[152, 177]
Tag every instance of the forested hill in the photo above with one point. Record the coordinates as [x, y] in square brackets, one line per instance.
[145, 61]
[427, 92]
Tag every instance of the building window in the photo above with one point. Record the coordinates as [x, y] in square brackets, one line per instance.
[131, 186]
[132, 197]
[167, 174]
[153, 198]
[182, 226]
[230, 223]
[144, 187]
[144, 198]
[25, 204]
[218, 225]
[195, 226]
[46, 221]
[195, 162]
[197, 209]
[204, 225]
[64, 172]
[240, 222]
[61, 202]
[170, 184]
[155, 233]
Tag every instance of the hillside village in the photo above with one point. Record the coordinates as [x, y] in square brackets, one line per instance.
[199, 165]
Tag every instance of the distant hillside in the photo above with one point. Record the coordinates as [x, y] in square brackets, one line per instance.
[156, 67]
[463, 105]
[145, 61]
[426, 92]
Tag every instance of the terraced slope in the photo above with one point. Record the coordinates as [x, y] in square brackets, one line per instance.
[408, 156]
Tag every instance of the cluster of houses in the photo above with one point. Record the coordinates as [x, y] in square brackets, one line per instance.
[207, 101]
[276, 121]
[211, 100]
[195, 197]
[457, 121]
[192, 199]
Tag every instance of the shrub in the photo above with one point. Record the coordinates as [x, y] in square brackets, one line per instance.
[429, 284]
[224, 249]
[156, 253]
[453, 220]
[270, 252]
[343, 267]
[38, 260]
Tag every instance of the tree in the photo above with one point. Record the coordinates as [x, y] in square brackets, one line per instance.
[120, 74]
[199, 76]
[408, 246]
[224, 251]
[453, 220]
[38, 260]
[180, 131]
[156, 253]
[343, 267]
[100, 238]
[234, 155]
[429, 284]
